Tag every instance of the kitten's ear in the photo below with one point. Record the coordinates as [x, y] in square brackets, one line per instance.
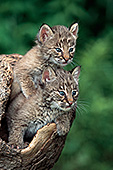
[48, 75]
[74, 29]
[44, 32]
[76, 73]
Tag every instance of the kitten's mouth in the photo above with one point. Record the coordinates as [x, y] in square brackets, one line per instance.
[61, 62]
[62, 106]
[66, 62]
[68, 106]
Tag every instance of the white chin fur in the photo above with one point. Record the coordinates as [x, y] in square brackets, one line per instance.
[59, 62]
[55, 105]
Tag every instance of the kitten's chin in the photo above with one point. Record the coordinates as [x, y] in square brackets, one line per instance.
[66, 109]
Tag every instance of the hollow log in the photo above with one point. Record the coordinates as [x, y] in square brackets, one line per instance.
[42, 153]
[45, 148]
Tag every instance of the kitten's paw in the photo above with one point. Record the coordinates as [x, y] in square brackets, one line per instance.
[26, 144]
[15, 146]
[61, 130]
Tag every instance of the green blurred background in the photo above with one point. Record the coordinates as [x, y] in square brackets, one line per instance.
[89, 145]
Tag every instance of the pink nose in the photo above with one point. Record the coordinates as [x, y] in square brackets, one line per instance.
[70, 103]
[66, 59]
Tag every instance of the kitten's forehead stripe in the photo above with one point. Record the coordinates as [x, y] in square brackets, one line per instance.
[62, 32]
[68, 40]
[63, 39]
[66, 83]
[61, 87]
[71, 86]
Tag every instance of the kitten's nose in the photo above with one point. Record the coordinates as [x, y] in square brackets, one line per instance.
[66, 57]
[70, 101]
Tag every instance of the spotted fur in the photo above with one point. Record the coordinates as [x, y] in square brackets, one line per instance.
[49, 104]
[54, 46]
[7, 63]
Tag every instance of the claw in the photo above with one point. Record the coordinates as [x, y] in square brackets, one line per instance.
[15, 147]
[18, 147]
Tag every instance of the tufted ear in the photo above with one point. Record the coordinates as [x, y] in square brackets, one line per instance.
[44, 32]
[76, 73]
[74, 29]
[48, 75]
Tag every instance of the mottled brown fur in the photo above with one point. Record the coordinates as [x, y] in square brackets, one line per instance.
[26, 116]
[7, 63]
[54, 46]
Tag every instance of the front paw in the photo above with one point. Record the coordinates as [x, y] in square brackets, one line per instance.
[62, 130]
[14, 146]
[16, 143]
[63, 125]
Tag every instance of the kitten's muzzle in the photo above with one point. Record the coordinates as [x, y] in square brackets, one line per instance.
[69, 106]
[70, 103]
[66, 57]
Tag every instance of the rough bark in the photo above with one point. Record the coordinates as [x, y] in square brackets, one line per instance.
[42, 153]
[45, 148]
[7, 63]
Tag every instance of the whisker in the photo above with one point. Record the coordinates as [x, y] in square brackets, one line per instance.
[87, 103]
[79, 111]
[82, 106]
[72, 63]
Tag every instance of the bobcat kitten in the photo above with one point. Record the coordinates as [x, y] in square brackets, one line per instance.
[54, 46]
[55, 102]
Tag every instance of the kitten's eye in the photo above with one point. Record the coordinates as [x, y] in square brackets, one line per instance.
[62, 93]
[58, 50]
[74, 93]
[71, 50]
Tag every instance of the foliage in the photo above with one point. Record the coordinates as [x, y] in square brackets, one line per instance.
[89, 145]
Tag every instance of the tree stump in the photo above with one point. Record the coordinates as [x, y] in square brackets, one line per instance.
[42, 153]
[46, 146]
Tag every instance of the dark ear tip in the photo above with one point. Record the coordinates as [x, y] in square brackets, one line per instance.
[45, 25]
[72, 24]
[42, 26]
[80, 66]
[74, 69]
